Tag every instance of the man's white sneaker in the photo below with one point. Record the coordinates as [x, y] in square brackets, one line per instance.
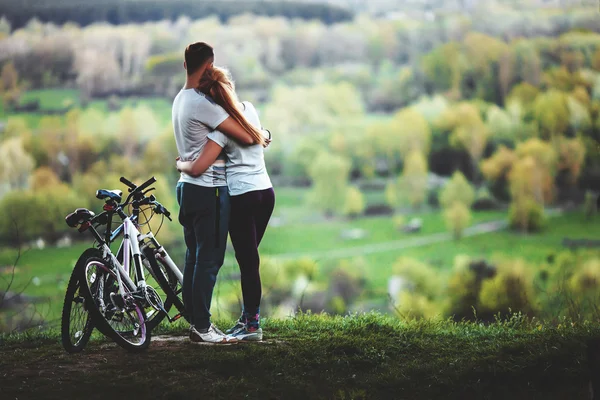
[212, 335]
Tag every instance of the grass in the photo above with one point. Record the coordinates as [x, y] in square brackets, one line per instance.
[534, 248]
[316, 356]
[56, 99]
[52, 99]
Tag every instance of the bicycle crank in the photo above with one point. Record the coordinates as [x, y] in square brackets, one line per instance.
[154, 299]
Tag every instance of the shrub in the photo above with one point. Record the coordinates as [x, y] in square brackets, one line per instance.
[584, 290]
[304, 266]
[485, 201]
[347, 280]
[422, 277]
[37, 214]
[526, 215]
[510, 290]
[411, 305]
[464, 287]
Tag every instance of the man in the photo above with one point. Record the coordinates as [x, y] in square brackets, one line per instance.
[203, 200]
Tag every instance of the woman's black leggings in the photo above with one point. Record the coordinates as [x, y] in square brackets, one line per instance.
[250, 214]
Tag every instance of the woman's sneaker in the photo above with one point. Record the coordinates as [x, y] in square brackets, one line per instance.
[248, 334]
[212, 335]
[238, 325]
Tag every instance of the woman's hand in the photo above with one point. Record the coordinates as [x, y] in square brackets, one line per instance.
[267, 135]
[178, 163]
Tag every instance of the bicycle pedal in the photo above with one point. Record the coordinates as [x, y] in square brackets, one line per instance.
[175, 318]
[117, 300]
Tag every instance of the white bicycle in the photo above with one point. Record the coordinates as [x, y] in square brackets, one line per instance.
[120, 302]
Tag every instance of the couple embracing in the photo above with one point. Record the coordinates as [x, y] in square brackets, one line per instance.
[224, 187]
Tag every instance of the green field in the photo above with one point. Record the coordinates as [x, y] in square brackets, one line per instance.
[57, 99]
[45, 272]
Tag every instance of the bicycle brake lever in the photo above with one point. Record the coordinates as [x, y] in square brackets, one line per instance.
[147, 191]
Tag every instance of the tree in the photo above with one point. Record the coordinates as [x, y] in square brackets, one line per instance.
[444, 67]
[299, 111]
[503, 126]
[484, 54]
[43, 178]
[9, 85]
[16, 127]
[536, 170]
[354, 203]
[457, 190]
[499, 164]
[525, 93]
[413, 181]
[457, 217]
[128, 133]
[52, 138]
[413, 132]
[580, 119]
[526, 209]
[329, 175]
[15, 163]
[468, 131]
[571, 157]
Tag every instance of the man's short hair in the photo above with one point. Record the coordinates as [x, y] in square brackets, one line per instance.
[196, 55]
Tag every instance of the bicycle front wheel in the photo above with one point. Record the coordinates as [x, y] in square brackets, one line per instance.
[76, 323]
[117, 314]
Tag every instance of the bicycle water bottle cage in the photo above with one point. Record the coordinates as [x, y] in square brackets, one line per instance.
[79, 216]
[114, 195]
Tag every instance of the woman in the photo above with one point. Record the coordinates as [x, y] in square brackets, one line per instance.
[251, 194]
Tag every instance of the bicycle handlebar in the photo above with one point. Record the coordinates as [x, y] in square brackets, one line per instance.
[134, 190]
[128, 183]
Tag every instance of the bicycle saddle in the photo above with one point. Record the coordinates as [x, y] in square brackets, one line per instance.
[104, 194]
[78, 217]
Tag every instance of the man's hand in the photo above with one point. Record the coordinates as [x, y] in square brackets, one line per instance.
[177, 161]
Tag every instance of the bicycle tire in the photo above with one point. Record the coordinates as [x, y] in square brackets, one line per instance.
[168, 283]
[99, 307]
[75, 341]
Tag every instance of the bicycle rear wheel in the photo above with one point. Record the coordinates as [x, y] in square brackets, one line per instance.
[116, 314]
[76, 322]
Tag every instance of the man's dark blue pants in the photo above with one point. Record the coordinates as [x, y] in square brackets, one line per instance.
[204, 215]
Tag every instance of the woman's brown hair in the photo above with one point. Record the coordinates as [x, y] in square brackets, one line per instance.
[217, 83]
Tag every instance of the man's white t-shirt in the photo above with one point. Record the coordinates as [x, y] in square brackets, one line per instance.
[246, 170]
[194, 117]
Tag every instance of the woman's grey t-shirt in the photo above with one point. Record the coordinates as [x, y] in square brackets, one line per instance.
[245, 165]
[194, 117]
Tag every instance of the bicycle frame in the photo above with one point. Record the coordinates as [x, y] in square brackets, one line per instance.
[143, 241]
[130, 248]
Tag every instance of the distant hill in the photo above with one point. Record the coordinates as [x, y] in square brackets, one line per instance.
[85, 12]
